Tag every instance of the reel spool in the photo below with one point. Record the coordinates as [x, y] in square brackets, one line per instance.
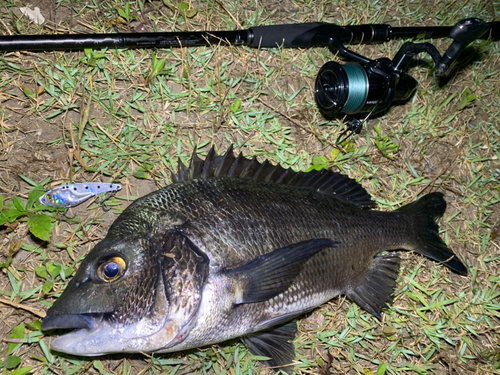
[351, 89]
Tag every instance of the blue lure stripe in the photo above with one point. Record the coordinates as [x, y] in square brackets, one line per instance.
[71, 195]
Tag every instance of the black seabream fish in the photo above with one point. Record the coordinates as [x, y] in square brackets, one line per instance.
[234, 248]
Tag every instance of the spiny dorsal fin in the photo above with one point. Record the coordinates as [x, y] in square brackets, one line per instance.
[195, 167]
[227, 165]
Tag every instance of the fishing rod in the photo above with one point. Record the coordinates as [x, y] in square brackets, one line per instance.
[360, 87]
[303, 35]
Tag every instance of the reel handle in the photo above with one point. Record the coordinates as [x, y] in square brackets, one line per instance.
[463, 33]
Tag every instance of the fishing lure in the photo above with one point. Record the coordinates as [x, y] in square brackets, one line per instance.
[71, 195]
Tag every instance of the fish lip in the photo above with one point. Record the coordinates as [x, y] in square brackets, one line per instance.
[70, 321]
[94, 334]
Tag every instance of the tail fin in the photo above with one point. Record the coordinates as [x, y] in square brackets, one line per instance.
[426, 210]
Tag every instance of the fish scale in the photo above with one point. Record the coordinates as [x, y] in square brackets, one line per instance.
[239, 248]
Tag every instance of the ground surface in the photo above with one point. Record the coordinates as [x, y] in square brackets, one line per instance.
[114, 115]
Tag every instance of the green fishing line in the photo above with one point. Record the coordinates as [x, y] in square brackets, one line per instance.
[358, 88]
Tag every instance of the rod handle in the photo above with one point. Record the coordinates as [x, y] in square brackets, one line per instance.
[284, 35]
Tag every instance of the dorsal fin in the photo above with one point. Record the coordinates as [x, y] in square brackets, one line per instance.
[228, 165]
[195, 167]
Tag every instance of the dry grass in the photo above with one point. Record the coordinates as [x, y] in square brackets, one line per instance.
[105, 115]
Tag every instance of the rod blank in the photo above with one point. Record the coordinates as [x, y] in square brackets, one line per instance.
[305, 35]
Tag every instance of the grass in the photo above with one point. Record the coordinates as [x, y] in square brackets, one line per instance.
[128, 115]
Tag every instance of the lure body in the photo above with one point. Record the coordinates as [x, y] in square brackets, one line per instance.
[71, 195]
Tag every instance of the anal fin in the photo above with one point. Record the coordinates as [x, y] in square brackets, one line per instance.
[373, 293]
[276, 344]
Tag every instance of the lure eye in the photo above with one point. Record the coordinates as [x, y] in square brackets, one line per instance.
[48, 197]
[112, 269]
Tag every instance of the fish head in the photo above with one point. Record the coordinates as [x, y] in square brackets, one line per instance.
[131, 296]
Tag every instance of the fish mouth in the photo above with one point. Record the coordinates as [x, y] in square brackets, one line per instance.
[95, 334]
[100, 333]
[79, 328]
[69, 321]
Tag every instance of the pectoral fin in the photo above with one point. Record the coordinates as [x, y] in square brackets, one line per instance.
[271, 274]
[276, 344]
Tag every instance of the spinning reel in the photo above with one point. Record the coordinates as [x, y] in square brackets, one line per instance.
[363, 87]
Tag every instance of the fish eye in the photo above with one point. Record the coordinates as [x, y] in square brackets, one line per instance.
[112, 269]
